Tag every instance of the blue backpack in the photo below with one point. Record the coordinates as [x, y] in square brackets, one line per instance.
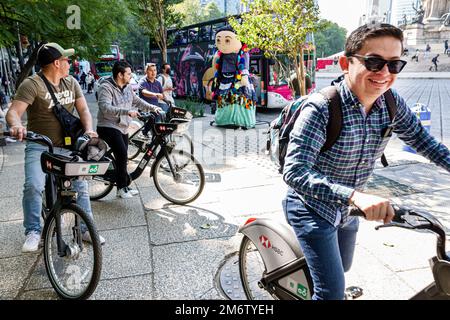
[281, 127]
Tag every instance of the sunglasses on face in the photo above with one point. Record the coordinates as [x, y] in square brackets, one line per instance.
[375, 64]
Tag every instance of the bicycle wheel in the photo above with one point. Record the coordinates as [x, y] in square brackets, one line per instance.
[76, 275]
[182, 142]
[251, 269]
[134, 147]
[99, 188]
[182, 185]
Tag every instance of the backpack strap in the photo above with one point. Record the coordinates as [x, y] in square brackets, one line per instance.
[392, 109]
[390, 102]
[334, 125]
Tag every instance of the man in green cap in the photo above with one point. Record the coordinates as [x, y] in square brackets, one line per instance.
[33, 97]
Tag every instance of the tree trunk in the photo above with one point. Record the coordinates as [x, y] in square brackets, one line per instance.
[301, 76]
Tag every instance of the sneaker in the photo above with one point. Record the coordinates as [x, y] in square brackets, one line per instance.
[132, 191]
[124, 194]
[87, 237]
[31, 242]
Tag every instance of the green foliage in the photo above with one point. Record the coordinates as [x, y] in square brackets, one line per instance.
[330, 38]
[155, 17]
[193, 13]
[193, 106]
[279, 27]
[47, 21]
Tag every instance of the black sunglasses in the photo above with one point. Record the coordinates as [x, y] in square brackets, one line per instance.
[375, 64]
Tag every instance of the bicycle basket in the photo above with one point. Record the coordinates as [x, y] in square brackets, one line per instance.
[182, 125]
[179, 113]
[63, 166]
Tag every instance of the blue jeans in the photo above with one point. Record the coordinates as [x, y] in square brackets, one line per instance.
[35, 183]
[328, 249]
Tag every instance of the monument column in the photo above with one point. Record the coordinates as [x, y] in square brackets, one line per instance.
[434, 10]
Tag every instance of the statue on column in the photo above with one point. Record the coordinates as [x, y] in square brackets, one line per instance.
[420, 13]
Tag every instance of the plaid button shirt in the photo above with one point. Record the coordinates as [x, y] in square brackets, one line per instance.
[325, 181]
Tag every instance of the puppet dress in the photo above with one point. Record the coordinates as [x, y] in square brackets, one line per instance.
[236, 104]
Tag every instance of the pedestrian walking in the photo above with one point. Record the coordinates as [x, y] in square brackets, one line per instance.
[434, 61]
[416, 56]
[83, 80]
[90, 82]
[446, 47]
[427, 51]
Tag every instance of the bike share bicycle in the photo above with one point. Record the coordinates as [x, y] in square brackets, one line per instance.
[177, 175]
[137, 140]
[73, 266]
[272, 264]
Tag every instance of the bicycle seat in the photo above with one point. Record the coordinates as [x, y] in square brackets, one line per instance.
[66, 166]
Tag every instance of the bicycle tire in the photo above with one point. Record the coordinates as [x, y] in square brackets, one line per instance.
[135, 150]
[162, 173]
[53, 261]
[251, 289]
[98, 181]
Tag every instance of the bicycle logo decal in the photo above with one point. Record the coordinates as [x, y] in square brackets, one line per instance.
[93, 169]
[265, 242]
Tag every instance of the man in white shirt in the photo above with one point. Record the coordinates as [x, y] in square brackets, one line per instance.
[167, 83]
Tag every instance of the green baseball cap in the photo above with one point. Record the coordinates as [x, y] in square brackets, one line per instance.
[51, 51]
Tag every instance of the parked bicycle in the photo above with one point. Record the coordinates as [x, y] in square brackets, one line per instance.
[177, 175]
[137, 140]
[73, 266]
[272, 264]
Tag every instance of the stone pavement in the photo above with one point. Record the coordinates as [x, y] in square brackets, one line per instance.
[156, 250]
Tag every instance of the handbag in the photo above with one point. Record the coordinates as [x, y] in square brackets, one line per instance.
[71, 125]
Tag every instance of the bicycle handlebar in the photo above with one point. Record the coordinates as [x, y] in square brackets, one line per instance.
[35, 137]
[407, 218]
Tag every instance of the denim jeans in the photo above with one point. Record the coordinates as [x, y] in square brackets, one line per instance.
[328, 249]
[35, 183]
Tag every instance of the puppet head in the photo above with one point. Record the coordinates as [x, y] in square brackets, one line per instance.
[227, 41]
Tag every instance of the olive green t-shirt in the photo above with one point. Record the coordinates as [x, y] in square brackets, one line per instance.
[41, 118]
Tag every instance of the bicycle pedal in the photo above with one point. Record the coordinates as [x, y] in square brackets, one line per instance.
[353, 293]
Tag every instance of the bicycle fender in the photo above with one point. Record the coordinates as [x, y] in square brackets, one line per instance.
[441, 273]
[276, 242]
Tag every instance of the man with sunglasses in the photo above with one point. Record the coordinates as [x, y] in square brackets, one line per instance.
[33, 97]
[322, 185]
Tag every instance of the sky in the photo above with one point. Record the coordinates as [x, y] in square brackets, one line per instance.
[345, 13]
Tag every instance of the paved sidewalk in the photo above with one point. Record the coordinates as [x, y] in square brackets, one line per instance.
[156, 250]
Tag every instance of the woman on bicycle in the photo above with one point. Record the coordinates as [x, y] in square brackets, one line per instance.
[117, 105]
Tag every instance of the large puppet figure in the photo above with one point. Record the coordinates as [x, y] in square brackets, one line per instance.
[232, 91]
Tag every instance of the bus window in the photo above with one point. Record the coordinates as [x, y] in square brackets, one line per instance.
[181, 37]
[193, 35]
[205, 33]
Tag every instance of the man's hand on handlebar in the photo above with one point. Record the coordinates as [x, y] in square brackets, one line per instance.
[375, 208]
[133, 113]
[91, 134]
[18, 131]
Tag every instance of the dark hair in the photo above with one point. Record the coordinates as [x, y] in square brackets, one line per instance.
[163, 67]
[357, 38]
[119, 67]
[225, 28]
